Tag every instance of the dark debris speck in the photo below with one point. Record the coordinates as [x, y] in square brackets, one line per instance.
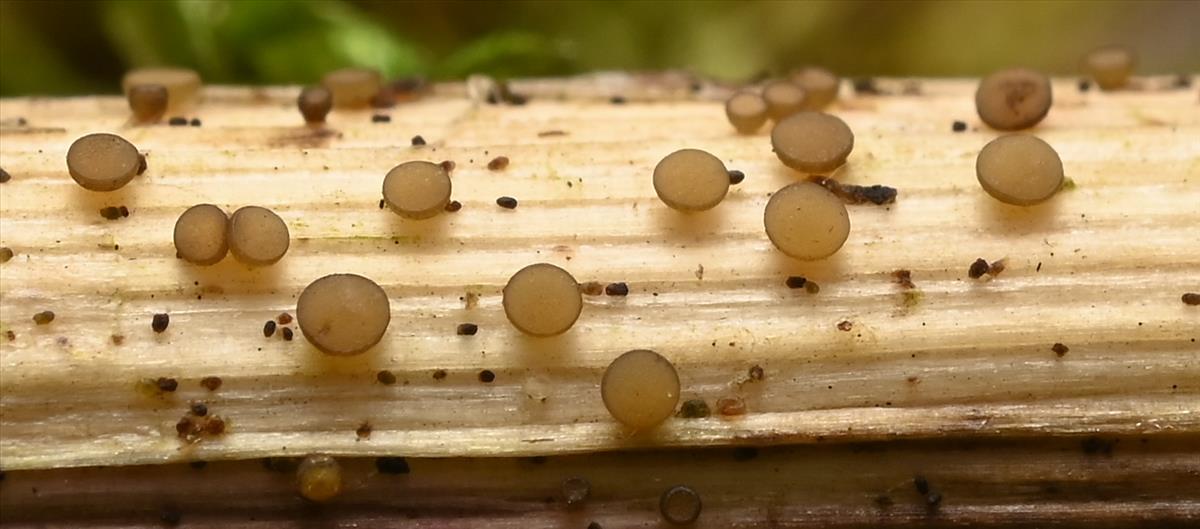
[507, 202]
[616, 289]
[736, 177]
[1060, 349]
[958, 126]
[269, 328]
[160, 322]
[418, 141]
[467, 329]
[177, 121]
[978, 268]
[385, 377]
[381, 118]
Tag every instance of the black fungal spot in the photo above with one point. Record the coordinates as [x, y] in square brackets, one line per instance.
[795, 282]
[418, 141]
[617, 100]
[195, 122]
[745, 453]
[487, 376]
[507, 202]
[865, 86]
[978, 268]
[453, 206]
[1098, 446]
[467, 329]
[269, 328]
[177, 121]
[958, 126]
[736, 177]
[198, 409]
[392, 465]
[1190, 298]
[381, 118]
[288, 333]
[1060, 349]
[385, 377]
[160, 321]
[211, 383]
[616, 289]
[166, 384]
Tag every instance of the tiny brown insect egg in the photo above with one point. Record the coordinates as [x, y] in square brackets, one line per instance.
[182, 84]
[417, 190]
[747, 111]
[820, 86]
[806, 221]
[201, 234]
[257, 236]
[1019, 169]
[343, 314]
[679, 505]
[542, 300]
[812, 142]
[783, 99]
[1013, 99]
[319, 478]
[1110, 66]
[640, 389]
[103, 161]
[315, 103]
[353, 87]
[148, 102]
[691, 180]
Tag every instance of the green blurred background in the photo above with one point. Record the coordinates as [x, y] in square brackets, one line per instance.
[70, 47]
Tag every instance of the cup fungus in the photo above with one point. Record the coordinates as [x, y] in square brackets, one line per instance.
[182, 84]
[353, 87]
[1110, 66]
[1019, 169]
[691, 180]
[747, 111]
[103, 162]
[640, 389]
[417, 190]
[315, 103]
[148, 102]
[201, 234]
[542, 300]
[820, 86]
[257, 236]
[1013, 99]
[343, 314]
[806, 221]
[812, 142]
[783, 99]
[319, 478]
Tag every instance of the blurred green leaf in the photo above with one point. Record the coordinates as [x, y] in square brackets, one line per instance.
[508, 54]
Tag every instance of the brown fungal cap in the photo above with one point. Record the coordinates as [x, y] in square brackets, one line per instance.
[640, 389]
[679, 505]
[343, 314]
[1110, 66]
[319, 478]
[417, 190]
[1019, 169]
[783, 98]
[202, 234]
[315, 102]
[820, 86]
[257, 236]
[182, 84]
[103, 162]
[148, 102]
[806, 221]
[352, 87]
[542, 300]
[691, 180]
[812, 142]
[747, 111]
[1190, 298]
[1013, 99]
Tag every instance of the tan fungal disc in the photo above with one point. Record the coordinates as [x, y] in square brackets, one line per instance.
[746, 111]
[353, 87]
[417, 190]
[783, 99]
[806, 221]
[201, 234]
[691, 180]
[343, 314]
[319, 478]
[315, 102]
[1110, 66]
[148, 102]
[640, 389]
[103, 162]
[812, 142]
[257, 236]
[1019, 169]
[1013, 99]
[182, 84]
[542, 300]
[679, 505]
[820, 86]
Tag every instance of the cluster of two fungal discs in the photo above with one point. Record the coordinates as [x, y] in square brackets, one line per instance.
[1018, 169]
[151, 92]
[809, 88]
[255, 235]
